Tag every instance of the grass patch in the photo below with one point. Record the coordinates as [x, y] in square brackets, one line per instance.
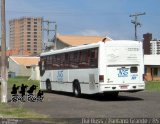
[21, 80]
[9, 111]
[18, 112]
[153, 86]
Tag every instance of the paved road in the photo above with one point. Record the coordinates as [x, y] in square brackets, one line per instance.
[133, 105]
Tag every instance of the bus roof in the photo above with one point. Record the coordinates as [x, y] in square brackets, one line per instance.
[123, 42]
[93, 45]
[70, 49]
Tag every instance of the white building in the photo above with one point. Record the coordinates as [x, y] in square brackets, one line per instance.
[23, 66]
[155, 47]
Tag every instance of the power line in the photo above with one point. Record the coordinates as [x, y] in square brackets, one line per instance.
[135, 21]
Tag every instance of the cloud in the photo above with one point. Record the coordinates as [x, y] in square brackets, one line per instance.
[116, 35]
[92, 32]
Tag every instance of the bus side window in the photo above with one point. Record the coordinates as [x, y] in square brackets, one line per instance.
[73, 57]
[48, 63]
[42, 66]
[84, 59]
[58, 59]
[87, 58]
[66, 60]
[62, 60]
[56, 62]
[76, 59]
[94, 58]
[43, 63]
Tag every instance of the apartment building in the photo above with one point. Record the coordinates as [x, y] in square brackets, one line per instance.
[146, 43]
[26, 35]
[155, 47]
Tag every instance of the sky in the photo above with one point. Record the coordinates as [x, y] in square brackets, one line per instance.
[91, 17]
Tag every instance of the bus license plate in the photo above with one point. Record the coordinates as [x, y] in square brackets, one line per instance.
[124, 86]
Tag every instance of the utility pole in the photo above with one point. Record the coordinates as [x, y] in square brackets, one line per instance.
[3, 55]
[48, 29]
[55, 37]
[135, 21]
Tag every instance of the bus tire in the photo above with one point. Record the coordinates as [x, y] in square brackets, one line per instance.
[76, 89]
[48, 85]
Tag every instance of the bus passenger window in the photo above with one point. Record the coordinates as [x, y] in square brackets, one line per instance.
[83, 59]
[62, 60]
[56, 62]
[73, 60]
[58, 59]
[94, 58]
[66, 63]
[76, 59]
[43, 66]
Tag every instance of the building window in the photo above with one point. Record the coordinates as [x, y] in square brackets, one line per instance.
[28, 46]
[155, 71]
[28, 67]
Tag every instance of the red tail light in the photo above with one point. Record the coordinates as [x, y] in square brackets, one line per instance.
[101, 78]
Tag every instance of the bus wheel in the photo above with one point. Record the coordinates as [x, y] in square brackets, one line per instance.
[76, 89]
[48, 85]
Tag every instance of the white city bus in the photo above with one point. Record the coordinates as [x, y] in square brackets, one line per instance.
[103, 67]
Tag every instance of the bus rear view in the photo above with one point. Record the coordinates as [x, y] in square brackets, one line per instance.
[123, 67]
[104, 67]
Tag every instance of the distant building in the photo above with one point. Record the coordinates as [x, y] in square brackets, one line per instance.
[26, 35]
[22, 66]
[63, 41]
[17, 52]
[146, 43]
[155, 47]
